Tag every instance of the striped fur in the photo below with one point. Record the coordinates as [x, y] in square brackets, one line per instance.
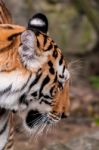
[34, 78]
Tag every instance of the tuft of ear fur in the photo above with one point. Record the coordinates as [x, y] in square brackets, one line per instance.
[39, 22]
[27, 47]
[28, 39]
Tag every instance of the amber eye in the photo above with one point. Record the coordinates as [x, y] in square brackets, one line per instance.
[12, 38]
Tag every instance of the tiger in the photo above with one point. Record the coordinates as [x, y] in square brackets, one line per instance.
[34, 77]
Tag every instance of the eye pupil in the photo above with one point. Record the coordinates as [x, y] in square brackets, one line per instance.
[11, 38]
[14, 38]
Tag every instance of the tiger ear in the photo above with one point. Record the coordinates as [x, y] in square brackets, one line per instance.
[28, 38]
[5, 16]
[27, 47]
[39, 22]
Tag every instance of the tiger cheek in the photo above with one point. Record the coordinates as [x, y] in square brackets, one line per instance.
[61, 104]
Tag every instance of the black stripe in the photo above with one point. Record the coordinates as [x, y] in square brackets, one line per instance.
[50, 63]
[45, 39]
[49, 47]
[55, 79]
[2, 112]
[38, 43]
[35, 81]
[61, 76]
[26, 82]
[52, 71]
[5, 90]
[45, 81]
[4, 128]
[22, 100]
[34, 94]
[47, 97]
[55, 54]
[45, 101]
[61, 60]
[63, 69]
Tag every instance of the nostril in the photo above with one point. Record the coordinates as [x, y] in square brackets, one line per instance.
[32, 117]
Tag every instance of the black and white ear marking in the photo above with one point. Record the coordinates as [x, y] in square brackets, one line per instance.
[38, 21]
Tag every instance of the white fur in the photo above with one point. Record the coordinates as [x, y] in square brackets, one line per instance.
[30, 59]
[67, 74]
[15, 78]
[37, 22]
[3, 120]
[4, 136]
[10, 98]
[28, 38]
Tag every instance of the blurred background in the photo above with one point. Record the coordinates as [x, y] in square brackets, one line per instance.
[74, 25]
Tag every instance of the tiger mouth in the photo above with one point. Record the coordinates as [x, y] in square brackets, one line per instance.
[34, 119]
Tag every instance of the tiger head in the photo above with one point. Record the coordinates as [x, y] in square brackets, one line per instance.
[48, 93]
[33, 53]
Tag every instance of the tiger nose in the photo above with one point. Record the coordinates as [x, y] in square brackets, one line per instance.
[61, 115]
[64, 116]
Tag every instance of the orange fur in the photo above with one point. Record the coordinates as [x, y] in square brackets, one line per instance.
[9, 57]
[61, 103]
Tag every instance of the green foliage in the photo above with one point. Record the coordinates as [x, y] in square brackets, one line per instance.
[97, 121]
[94, 80]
